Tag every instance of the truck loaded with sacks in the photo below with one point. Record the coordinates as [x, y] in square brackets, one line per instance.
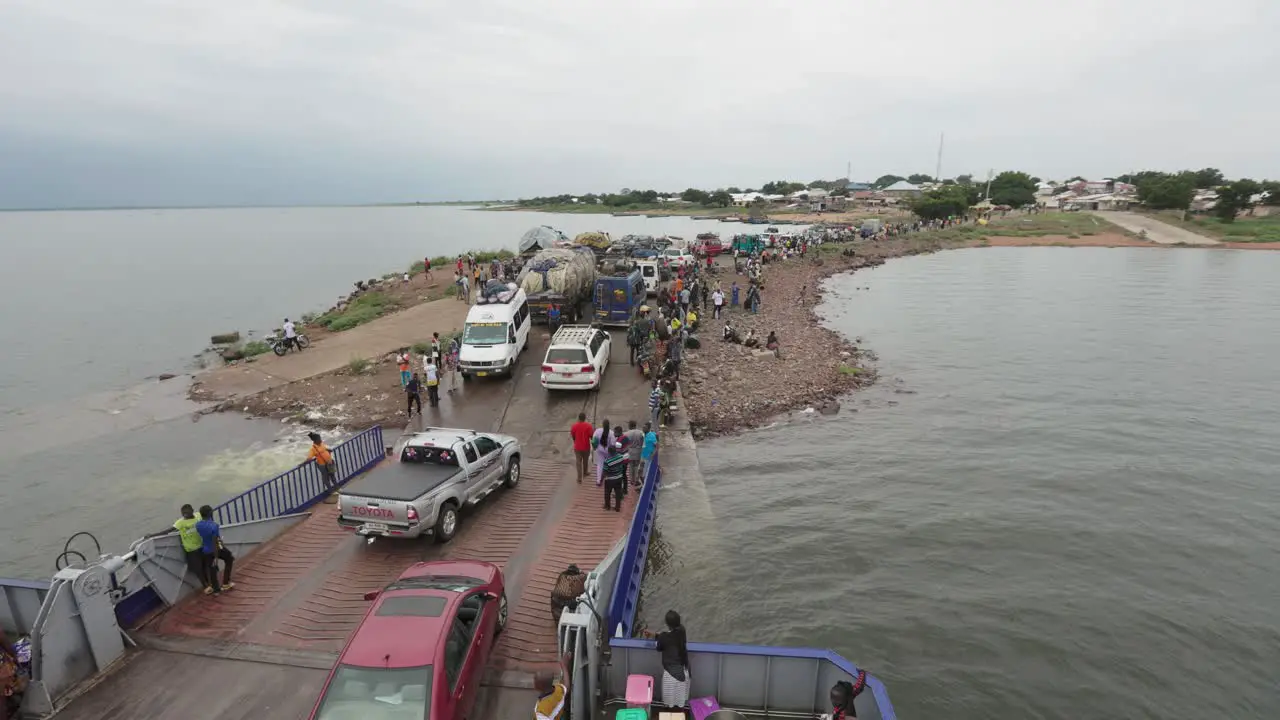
[563, 276]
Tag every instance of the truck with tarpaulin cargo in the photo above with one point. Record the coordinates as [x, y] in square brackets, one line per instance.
[562, 276]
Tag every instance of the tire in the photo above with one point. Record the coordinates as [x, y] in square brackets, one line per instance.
[513, 473]
[447, 523]
[279, 349]
[466, 377]
[502, 613]
[303, 342]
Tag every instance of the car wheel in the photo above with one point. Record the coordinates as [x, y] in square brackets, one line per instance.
[513, 473]
[447, 523]
[502, 612]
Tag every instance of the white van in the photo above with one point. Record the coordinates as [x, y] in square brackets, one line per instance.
[495, 333]
[649, 271]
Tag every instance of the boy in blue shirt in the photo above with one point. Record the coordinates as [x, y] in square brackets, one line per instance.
[213, 550]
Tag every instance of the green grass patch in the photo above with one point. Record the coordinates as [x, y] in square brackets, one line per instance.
[849, 369]
[1244, 229]
[369, 306]
[255, 347]
[359, 365]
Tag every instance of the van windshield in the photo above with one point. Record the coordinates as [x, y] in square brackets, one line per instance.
[484, 333]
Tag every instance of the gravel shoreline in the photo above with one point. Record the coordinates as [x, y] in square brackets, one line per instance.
[728, 388]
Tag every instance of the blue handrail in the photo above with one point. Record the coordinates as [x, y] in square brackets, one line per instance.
[301, 487]
[626, 589]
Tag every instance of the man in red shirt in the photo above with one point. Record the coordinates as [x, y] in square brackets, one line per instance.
[581, 433]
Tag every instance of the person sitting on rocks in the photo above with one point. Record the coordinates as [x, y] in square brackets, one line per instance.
[729, 334]
[751, 340]
[772, 342]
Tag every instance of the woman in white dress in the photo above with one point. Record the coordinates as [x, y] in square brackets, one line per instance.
[674, 648]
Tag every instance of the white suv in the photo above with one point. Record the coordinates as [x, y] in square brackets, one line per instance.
[576, 358]
[678, 257]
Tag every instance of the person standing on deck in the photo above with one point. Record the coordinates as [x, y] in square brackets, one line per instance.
[615, 476]
[211, 544]
[649, 450]
[413, 395]
[637, 333]
[581, 433]
[655, 404]
[433, 384]
[451, 364]
[634, 440]
[673, 645]
[324, 460]
[190, 539]
[553, 695]
[601, 441]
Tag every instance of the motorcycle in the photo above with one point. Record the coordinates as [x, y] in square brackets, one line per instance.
[280, 344]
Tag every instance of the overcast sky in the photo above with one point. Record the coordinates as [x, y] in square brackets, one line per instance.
[157, 102]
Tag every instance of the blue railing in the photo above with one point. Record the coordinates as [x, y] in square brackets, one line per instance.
[303, 486]
[626, 589]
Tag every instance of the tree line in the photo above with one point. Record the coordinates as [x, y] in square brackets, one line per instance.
[1156, 189]
[1175, 191]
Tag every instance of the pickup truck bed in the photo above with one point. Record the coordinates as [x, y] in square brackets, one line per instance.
[401, 481]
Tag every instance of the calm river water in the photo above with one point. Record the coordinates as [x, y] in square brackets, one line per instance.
[100, 301]
[1061, 501]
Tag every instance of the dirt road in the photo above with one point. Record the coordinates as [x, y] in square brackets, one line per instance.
[1158, 232]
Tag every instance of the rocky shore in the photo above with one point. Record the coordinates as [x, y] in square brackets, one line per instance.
[728, 388]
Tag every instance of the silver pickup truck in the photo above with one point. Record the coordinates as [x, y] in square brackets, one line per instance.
[437, 472]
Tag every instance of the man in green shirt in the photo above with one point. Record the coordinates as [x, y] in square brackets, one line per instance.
[192, 545]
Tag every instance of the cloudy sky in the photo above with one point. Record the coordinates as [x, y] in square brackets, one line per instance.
[160, 102]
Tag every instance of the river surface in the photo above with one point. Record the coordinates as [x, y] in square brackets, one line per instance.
[102, 302]
[1060, 501]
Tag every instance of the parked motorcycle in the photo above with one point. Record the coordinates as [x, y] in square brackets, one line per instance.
[280, 344]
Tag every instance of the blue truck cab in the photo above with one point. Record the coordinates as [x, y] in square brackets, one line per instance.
[616, 298]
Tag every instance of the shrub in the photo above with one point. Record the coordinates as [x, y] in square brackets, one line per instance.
[358, 365]
[361, 310]
[849, 369]
[421, 348]
[254, 347]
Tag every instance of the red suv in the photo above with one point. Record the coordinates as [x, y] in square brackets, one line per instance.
[420, 650]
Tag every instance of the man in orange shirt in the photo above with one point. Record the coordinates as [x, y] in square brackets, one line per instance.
[324, 460]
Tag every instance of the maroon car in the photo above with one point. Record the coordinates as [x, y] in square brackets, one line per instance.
[708, 246]
[420, 650]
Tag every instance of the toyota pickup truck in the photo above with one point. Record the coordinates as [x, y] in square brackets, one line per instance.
[437, 472]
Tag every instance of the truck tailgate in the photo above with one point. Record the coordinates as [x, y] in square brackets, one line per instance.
[373, 510]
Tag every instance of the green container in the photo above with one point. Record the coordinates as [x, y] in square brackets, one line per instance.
[631, 714]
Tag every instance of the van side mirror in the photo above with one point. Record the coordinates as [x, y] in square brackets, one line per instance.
[373, 595]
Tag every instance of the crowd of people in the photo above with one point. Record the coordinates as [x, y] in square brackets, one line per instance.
[439, 364]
